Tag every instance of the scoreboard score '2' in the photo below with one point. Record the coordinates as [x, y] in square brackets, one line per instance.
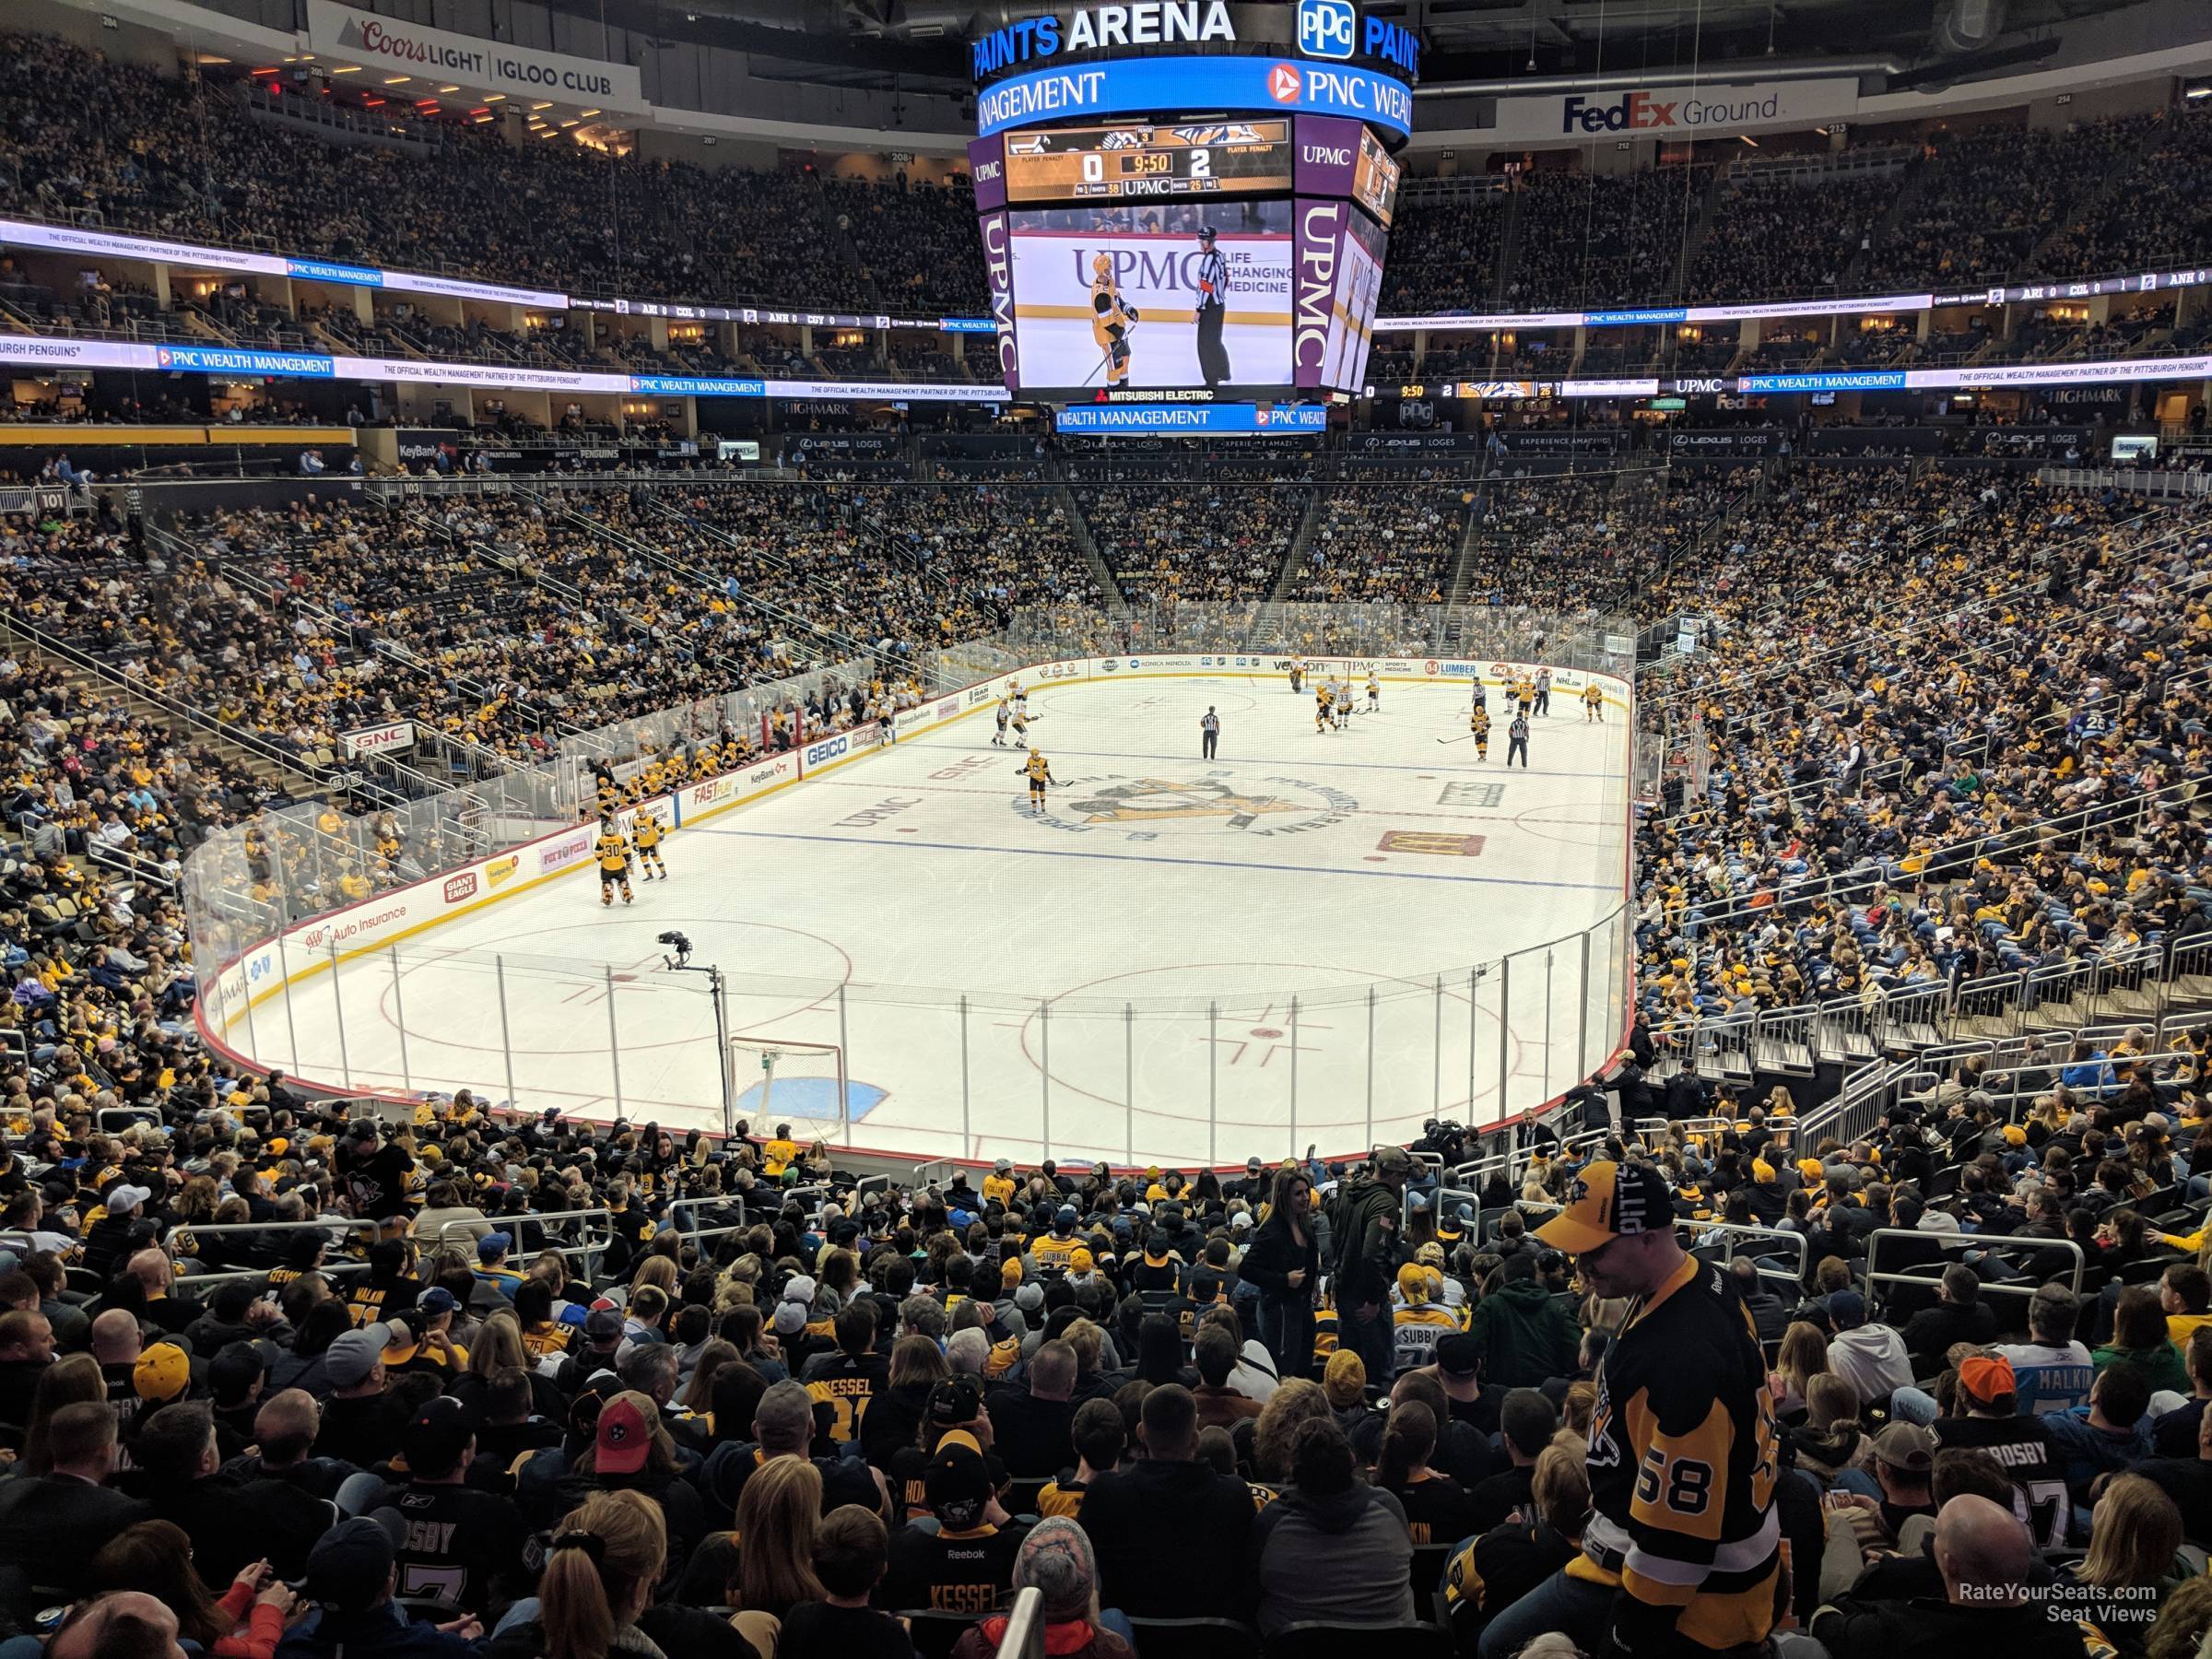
[1194, 159]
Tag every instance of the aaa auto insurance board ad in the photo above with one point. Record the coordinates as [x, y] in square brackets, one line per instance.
[1075, 266]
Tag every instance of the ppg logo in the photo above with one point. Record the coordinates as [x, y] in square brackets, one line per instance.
[1326, 28]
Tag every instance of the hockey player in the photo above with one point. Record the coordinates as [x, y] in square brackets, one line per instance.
[1015, 690]
[999, 739]
[613, 853]
[1320, 705]
[1298, 676]
[646, 838]
[1021, 730]
[1340, 703]
[1374, 693]
[1593, 704]
[1479, 727]
[1039, 773]
[1543, 691]
[1111, 320]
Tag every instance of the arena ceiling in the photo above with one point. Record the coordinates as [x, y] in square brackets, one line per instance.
[918, 44]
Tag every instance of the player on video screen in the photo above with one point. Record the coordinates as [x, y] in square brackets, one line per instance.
[1110, 318]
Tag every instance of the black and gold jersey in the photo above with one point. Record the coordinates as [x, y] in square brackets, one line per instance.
[1038, 771]
[611, 849]
[647, 836]
[1478, 721]
[1683, 1464]
[951, 1571]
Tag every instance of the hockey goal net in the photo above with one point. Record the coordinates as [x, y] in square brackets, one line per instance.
[802, 1083]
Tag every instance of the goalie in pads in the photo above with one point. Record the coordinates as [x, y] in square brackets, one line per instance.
[1110, 317]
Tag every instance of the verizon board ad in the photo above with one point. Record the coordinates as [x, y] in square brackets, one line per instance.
[1319, 263]
[1160, 296]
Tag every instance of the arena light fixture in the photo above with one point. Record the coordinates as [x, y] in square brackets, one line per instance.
[491, 98]
[398, 80]
[2202, 90]
[455, 87]
[543, 104]
[349, 69]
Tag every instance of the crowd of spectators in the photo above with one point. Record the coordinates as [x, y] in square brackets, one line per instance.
[1193, 540]
[1382, 543]
[148, 152]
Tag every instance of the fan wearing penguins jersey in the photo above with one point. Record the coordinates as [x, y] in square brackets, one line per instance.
[1681, 1554]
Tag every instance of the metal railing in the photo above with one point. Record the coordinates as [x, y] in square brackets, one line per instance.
[1929, 1275]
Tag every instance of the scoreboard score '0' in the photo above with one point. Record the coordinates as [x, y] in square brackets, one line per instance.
[1194, 159]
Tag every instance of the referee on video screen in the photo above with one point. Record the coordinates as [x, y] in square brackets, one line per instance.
[1681, 1555]
[1213, 308]
[1210, 732]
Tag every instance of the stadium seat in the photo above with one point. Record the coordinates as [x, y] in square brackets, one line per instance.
[936, 1634]
[1194, 1639]
[1320, 1639]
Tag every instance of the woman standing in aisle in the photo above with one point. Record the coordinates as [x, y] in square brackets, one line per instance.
[1284, 1261]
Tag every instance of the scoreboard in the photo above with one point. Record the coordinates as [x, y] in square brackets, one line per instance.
[1138, 161]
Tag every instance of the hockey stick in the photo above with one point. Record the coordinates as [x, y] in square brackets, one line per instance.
[1451, 740]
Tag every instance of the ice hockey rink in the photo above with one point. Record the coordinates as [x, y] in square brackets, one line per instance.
[1297, 943]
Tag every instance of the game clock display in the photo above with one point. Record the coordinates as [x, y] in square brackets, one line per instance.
[1137, 159]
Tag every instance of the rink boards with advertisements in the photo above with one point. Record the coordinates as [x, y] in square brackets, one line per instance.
[1303, 941]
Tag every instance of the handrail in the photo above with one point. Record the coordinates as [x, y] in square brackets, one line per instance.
[1870, 1276]
[1729, 1232]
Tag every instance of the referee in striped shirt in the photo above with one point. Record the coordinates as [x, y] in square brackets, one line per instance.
[1210, 733]
[1213, 308]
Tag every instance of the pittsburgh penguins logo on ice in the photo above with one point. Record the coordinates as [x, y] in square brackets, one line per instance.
[1203, 803]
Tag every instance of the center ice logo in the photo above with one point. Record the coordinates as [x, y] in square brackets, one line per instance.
[1146, 807]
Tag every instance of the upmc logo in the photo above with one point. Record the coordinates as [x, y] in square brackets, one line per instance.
[1326, 28]
[988, 171]
[1284, 84]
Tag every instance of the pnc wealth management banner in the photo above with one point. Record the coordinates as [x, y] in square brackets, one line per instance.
[340, 35]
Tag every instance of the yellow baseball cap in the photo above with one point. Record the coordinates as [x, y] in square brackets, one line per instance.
[163, 1374]
[1413, 1284]
[1609, 1200]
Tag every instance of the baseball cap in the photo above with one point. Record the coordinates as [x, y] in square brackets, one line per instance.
[1610, 1200]
[1459, 1356]
[1906, 1446]
[1003, 1166]
[799, 1288]
[438, 1300]
[122, 1200]
[437, 1435]
[958, 1482]
[351, 1565]
[956, 1400]
[603, 1325]
[1081, 1260]
[624, 1435]
[1413, 1284]
[1393, 1157]
[1064, 1215]
[163, 1374]
[2015, 1136]
[405, 1327]
[354, 1354]
[1988, 1379]
[1029, 1298]
[789, 1319]
[232, 1370]
[1846, 1309]
[494, 1244]
[1240, 1221]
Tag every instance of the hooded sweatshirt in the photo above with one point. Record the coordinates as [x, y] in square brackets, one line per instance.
[1873, 1359]
[1347, 1558]
[1527, 1337]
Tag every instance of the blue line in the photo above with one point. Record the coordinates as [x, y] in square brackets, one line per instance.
[1207, 864]
[1285, 767]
